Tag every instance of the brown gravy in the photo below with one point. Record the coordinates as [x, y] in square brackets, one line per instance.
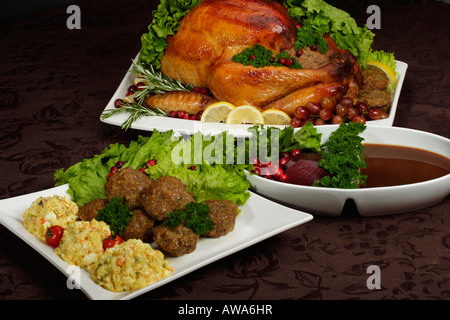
[396, 165]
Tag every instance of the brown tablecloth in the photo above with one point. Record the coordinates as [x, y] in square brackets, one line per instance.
[55, 83]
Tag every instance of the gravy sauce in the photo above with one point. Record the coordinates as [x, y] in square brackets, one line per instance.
[396, 165]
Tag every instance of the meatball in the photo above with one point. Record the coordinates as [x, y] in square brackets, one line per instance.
[90, 210]
[175, 241]
[139, 227]
[165, 195]
[128, 184]
[223, 214]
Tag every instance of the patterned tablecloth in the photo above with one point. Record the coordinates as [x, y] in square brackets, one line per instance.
[55, 82]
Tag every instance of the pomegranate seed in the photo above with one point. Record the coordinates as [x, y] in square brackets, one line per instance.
[204, 90]
[299, 53]
[151, 163]
[193, 168]
[282, 61]
[266, 165]
[142, 170]
[283, 177]
[181, 114]
[173, 114]
[295, 152]
[285, 155]
[109, 175]
[114, 169]
[278, 174]
[298, 26]
[197, 89]
[289, 62]
[257, 171]
[283, 161]
[119, 164]
[314, 47]
[193, 117]
[252, 57]
[254, 161]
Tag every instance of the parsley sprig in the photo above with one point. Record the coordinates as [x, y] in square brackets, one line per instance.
[259, 56]
[343, 158]
[308, 36]
[116, 214]
[194, 216]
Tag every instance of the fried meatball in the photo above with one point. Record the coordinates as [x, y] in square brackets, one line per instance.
[165, 195]
[139, 227]
[223, 214]
[128, 184]
[89, 211]
[175, 241]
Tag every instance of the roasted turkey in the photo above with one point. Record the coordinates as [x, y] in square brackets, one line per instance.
[201, 52]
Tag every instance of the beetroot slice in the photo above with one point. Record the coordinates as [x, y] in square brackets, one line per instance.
[305, 172]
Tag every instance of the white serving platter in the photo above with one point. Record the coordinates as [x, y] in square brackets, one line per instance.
[258, 220]
[189, 127]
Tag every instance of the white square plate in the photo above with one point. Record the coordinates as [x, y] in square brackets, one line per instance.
[189, 127]
[258, 220]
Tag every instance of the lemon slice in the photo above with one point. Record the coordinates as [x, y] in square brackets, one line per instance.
[389, 72]
[217, 112]
[276, 117]
[245, 114]
[130, 98]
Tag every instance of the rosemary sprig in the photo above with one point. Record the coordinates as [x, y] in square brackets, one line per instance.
[136, 111]
[157, 82]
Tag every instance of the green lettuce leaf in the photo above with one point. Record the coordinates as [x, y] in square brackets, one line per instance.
[166, 21]
[207, 180]
[340, 26]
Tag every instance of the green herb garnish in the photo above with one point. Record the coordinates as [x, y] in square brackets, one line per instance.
[258, 56]
[308, 36]
[135, 110]
[343, 158]
[116, 214]
[194, 216]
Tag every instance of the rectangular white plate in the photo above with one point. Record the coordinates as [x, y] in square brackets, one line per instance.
[189, 127]
[258, 220]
